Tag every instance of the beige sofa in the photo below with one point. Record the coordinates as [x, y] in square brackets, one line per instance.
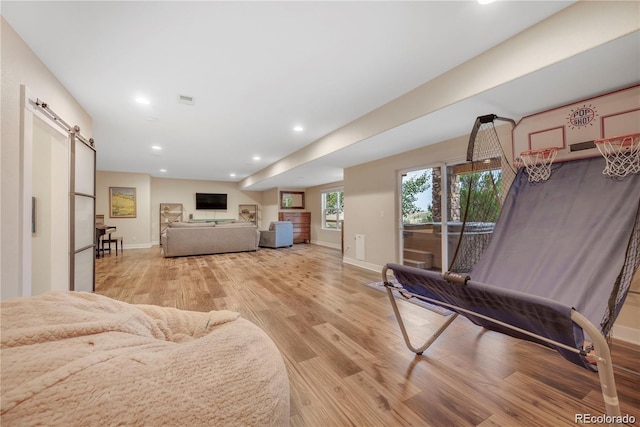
[183, 239]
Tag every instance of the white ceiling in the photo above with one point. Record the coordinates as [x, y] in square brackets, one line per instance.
[257, 69]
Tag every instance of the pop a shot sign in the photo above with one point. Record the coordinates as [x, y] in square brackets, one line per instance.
[582, 116]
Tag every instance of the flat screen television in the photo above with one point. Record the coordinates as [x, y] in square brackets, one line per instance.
[211, 201]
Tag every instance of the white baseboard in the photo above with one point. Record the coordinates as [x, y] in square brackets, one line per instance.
[326, 244]
[362, 264]
[625, 333]
[138, 246]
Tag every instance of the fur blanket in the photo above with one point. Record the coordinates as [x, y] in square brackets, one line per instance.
[72, 358]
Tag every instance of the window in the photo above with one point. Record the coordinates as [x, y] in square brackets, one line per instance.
[418, 189]
[476, 191]
[332, 209]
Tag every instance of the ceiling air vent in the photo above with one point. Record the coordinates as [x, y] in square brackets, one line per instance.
[184, 99]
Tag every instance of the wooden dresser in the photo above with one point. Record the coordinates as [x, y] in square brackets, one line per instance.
[301, 225]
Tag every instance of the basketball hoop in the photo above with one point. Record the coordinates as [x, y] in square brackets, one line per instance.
[538, 163]
[622, 154]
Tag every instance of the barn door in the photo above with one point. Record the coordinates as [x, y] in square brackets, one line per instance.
[82, 221]
[58, 202]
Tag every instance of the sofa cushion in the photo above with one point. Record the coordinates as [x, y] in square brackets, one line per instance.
[236, 224]
[191, 224]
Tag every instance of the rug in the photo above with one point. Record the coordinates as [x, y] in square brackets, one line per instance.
[379, 286]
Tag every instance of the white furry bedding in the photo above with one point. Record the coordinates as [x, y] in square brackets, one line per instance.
[71, 358]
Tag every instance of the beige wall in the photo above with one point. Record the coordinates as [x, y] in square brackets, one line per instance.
[270, 206]
[313, 204]
[372, 200]
[313, 198]
[372, 195]
[20, 66]
[143, 231]
[136, 232]
[164, 190]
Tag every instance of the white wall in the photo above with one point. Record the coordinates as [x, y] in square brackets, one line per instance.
[20, 66]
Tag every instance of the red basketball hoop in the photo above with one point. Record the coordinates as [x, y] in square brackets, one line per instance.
[538, 163]
[621, 153]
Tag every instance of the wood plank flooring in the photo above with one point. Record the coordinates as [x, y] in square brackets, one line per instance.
[346, 360]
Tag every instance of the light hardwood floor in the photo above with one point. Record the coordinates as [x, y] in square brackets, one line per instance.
[346, 360]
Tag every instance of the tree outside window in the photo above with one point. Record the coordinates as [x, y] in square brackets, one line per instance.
[332, 209]
[416, 201]
[486, 195]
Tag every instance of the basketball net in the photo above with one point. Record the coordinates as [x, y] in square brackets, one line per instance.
[622, 154]
[482, 185]
[538, 163]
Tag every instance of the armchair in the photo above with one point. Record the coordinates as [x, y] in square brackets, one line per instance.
[280, 234]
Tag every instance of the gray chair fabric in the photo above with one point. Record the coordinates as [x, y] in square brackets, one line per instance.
[280, 234]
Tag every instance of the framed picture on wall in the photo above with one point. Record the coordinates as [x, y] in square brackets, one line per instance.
[122, 202]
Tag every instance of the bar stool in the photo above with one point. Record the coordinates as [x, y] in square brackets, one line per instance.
[112, 239]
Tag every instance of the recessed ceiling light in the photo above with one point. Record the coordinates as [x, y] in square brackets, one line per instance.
[156, 147]
[256, 157]
[163, 170]
[298, 128]
[232, 174]
[143, 100]
[485, 1]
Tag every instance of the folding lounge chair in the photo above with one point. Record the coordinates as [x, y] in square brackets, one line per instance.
[556, 271]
